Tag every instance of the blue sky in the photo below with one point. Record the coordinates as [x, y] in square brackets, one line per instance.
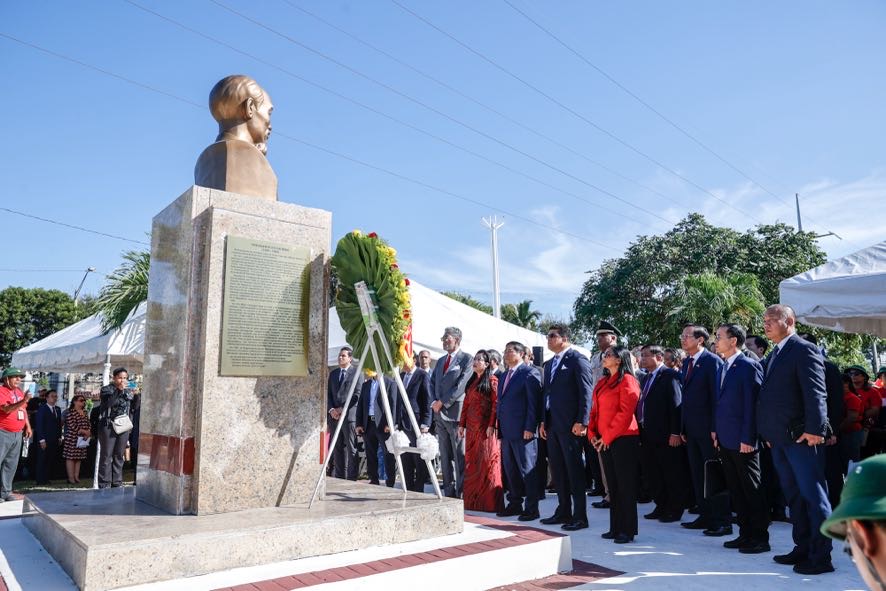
[791, 93]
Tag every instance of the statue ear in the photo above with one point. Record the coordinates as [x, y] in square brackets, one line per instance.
[249, 108]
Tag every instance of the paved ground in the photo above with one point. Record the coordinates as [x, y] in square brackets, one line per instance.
[664, 556]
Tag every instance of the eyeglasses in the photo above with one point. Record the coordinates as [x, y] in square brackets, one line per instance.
[553, 335]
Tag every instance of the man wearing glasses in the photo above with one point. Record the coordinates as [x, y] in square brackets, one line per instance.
[860, 520]
[568, 384]
[448, 382]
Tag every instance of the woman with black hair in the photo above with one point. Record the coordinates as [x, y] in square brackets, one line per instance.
[482, 481]
[613, 431]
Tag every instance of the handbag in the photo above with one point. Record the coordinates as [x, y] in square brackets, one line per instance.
[121, 424]
[82, 442]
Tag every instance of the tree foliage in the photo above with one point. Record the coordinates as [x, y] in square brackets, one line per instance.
[28, 315]
[641, 291]
[125, 289]
[521, 314]
[468, 301]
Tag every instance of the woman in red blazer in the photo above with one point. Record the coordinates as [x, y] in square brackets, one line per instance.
[612, 430]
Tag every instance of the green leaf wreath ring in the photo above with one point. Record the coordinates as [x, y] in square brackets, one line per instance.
[368, 258]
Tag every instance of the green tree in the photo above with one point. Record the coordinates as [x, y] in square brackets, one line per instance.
[636, 291]
[468, 301]
[710, 299]
[28, 315]
[125, 289]
[521, 314]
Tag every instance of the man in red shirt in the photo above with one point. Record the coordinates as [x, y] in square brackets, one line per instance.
[13, 419]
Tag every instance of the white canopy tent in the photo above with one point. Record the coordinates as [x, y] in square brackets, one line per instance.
[82, 348]
[845, 295]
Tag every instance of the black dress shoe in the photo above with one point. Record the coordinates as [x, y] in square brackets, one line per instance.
[698, 523]
[814, 568]
[623, 539]
[736, 543]
[528, 516]
[694, 510]
[555, 519]
[608, 535]
[654, 514]
[670, 517]
[604, 504]
[755, 548]
[510, 511]
[792, 557]
[574, 526]
[779, 516]
[716, 532]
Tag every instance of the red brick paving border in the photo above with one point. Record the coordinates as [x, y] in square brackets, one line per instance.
[582, 572]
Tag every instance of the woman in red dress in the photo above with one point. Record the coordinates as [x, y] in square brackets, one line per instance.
[613, 431]
[482, 483]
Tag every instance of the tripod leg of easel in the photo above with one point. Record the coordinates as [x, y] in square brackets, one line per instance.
[387, 409]
[338, 427]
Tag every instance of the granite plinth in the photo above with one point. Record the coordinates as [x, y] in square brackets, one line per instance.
[106, 539]
[211, 443]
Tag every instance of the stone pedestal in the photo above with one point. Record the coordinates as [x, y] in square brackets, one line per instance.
[211, 443]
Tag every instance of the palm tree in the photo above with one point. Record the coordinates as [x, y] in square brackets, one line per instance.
[126, 288]
[521, 314]
[710, 300]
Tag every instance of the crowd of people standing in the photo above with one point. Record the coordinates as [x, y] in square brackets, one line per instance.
[729, 423]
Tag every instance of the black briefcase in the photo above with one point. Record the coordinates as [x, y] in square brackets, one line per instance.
[714, 479]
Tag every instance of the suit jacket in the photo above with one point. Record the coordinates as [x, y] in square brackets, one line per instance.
[418, 390]
[833, 380]
[362, 416]
[337, 392]
[568, 395]
[735, 419]
[449, 388]
[699, 390]
[519, 403]
[662, 406]
[793, 393]
[48, 425]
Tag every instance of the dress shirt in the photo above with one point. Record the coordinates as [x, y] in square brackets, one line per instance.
[727, 365]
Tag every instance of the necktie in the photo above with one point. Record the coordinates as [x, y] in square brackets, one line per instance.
[446, 365]
[771, 359]
[689, 368]
[640, 405]
[555, 362]
[507, 379]
[723, 371]
[406, 380]
[341, 375]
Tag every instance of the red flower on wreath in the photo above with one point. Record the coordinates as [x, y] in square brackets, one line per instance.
[395, 266]
[372, 235]
[406, 314]
[406, 279]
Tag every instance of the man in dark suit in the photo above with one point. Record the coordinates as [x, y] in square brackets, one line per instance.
[738, 386]
[658, 414]
[699, 376]
[48, 434]
[792, 419]
[417, 383]
[448, 381]
[567, 394]
[373, 425]
[519, 393]
[345, 461]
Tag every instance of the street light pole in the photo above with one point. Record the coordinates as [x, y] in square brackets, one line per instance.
[82, 281]
[493, 224]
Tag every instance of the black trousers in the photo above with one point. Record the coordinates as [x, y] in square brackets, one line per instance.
[113, 447]
[664, 470]
[715, 511]
[564, 451]
[46, 461]
[743, 477]
[541, 468]
[621, 463]
[775, 500]
[345, 461]
[415, 471]
[593, 476]
[373, 437]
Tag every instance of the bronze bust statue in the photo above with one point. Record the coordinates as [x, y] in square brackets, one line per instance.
[237, 161]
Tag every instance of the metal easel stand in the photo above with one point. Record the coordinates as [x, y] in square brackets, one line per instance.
[373, 329]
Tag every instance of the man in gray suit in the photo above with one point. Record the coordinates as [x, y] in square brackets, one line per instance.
[448, 382]
[344, 455]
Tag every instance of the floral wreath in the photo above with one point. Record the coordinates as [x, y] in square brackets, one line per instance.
[368, 258]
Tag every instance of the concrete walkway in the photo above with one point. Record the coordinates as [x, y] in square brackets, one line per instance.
[664, 556]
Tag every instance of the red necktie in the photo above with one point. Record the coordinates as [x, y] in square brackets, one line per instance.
[507, 379]
[446, 365]
[689, 368]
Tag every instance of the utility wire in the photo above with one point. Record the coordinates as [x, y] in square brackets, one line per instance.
[570, 110]
[434, 110]
[477, 102]
[317, 147]
[72, 226]
[658, 113]
[402, 122]
[41, 270]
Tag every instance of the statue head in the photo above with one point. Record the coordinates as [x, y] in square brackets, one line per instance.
[243, 110]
